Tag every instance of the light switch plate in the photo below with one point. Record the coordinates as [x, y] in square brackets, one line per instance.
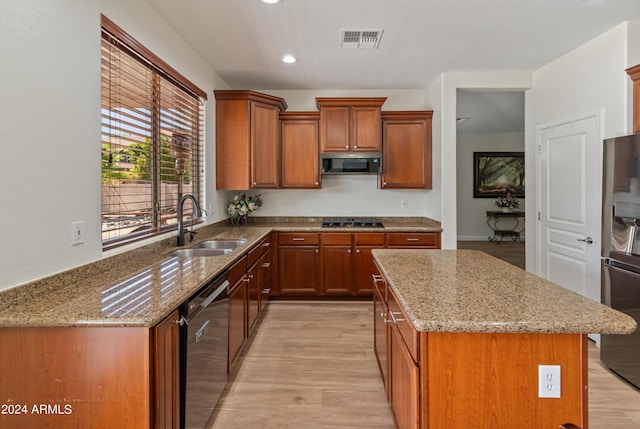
[549, 381]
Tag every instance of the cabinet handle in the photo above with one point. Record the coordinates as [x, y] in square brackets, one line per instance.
[250, 276]
[246, 279]
[266, 291]
[297, 239]
[317, 251]
[413, 239]
[255, 183]
[266, 265]
[393, 316]
[316, 183]
[355, 146]
[182, 321]
[349, 251]
[357, 250]
[347, 146]
[384, 183]
[266, 244]
[377, 278]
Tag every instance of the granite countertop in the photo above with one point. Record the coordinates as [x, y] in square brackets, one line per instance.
[471, 291]
[152, 284]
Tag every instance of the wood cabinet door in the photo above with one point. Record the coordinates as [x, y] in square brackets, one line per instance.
[406, 155]
[366, 130]
[337, 272]
[404, 394]
[253, 294]
[167, 372]
[334, 129]
[299, 270]
[299, 147]
[364, 268]
[265, 153]
[237, 318]
[380, 336]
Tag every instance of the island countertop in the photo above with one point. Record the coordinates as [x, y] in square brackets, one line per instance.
[471, 291]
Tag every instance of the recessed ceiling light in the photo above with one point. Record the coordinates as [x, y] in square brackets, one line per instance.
[271, 1]
[289, 59]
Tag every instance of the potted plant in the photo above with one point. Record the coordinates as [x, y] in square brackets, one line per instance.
[241, 206]
[508, 203]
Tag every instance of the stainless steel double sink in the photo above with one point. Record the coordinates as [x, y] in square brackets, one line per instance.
[214, 247]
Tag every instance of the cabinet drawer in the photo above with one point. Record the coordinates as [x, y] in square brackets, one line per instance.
[301, 238]
[423, 239]
[237, 270]
[336, 239]
[404, 324]
[265, 245]
[254, 255]
[369, 239]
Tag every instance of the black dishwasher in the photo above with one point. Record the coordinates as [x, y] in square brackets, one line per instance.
[204, 347]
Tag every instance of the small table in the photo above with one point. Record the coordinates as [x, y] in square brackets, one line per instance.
[498, 233]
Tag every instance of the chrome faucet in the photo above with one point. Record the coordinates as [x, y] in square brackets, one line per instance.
[181, 229]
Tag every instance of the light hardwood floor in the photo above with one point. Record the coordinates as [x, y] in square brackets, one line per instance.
[311, 365]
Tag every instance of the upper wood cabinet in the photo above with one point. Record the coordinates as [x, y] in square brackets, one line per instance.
[406, 154]
[247, 140]
[350, 124]
[634, 73]
[299, 149]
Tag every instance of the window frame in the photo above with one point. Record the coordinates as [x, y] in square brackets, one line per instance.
[162, 74]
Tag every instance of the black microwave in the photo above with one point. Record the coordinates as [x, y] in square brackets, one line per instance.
[351, 163]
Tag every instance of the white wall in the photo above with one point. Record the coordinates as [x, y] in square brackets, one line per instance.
[351, 195]
[472, 219]
[50, 129]
[586, 80]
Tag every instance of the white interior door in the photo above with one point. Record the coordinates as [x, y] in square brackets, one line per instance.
[570, 184]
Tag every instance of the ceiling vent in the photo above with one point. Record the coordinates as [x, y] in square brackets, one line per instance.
[362, 39]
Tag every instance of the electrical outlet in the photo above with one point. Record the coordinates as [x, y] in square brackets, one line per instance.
[404, 204]
[78, 233]
[549, 381]
[212, 208]
[294, 204]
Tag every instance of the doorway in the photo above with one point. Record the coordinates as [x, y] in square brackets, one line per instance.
[489, 121]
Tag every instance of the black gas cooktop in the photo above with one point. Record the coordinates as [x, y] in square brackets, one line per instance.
[351, 222]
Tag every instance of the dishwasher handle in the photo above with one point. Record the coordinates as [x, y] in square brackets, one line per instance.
[204, 304]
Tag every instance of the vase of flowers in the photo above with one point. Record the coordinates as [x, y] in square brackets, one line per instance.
[508, 203]
[241, 206]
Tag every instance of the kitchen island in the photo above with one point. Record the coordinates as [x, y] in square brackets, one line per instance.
[465, 336]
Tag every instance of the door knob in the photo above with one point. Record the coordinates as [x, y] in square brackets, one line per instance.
[587, 240]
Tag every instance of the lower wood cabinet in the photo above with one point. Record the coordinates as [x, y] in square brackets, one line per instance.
[380, 348]
[266, 262]
[237, 309]
[364, 267]
[337, 264]
[167, 372]
[299, 264]
[91, 377]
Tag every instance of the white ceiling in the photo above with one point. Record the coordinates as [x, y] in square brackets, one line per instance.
[244, 40]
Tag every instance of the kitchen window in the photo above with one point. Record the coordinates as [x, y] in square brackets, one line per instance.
[152, 140]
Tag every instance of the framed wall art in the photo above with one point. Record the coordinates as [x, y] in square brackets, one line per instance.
[498, 173]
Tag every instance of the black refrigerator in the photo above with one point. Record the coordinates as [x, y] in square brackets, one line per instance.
[621, 251]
